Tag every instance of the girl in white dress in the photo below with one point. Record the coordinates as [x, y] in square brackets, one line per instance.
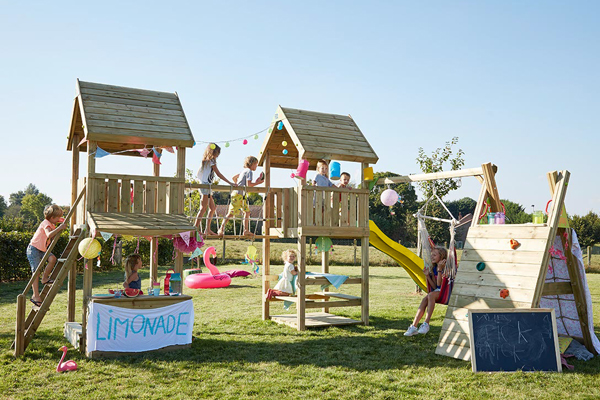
[284, 286]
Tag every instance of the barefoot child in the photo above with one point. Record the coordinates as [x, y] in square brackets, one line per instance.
[239, 203]
[434, 280]
[206, 175]
[39, 244]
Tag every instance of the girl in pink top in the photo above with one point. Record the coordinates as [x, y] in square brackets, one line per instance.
[39, 244]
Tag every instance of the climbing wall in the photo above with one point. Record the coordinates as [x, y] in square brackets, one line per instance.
[497, 272]
[516, 270]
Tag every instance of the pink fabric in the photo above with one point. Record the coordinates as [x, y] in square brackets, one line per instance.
[236, 272]
[40, 238]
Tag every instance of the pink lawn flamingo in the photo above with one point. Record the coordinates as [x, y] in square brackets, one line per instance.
[67, 365]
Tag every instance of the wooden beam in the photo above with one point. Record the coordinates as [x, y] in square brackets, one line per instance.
[433, 176]
[266, 243]
[491, 187]
[301, 290]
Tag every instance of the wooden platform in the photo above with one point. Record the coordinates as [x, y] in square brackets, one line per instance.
[315, 320]
[139, 224]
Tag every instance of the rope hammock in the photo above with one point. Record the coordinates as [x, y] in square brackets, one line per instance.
[426, 245]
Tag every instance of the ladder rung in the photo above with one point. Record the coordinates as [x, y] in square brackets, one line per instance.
[62, 260]
[73, 237]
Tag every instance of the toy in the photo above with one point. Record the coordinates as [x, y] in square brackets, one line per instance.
[208, 281]
[89, 248]
[389, 197]
[504, 293]
[301, 170]
[67, 365]
[514, 244]
[252, 258]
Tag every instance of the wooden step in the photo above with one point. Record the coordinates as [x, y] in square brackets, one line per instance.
[73, 333]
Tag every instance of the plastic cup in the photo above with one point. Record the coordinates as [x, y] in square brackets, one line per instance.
[156, 291]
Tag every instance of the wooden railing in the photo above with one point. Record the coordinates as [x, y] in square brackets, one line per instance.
[135, 194]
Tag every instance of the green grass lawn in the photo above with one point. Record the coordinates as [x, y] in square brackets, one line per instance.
[237, 355]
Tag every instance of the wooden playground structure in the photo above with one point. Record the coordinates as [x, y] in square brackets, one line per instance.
[118, 120]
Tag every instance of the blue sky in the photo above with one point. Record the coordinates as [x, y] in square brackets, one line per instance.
[516, 81]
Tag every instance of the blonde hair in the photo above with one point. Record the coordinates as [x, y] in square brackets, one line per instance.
[286, 254]
[249, 161]
[443, 252]
[52, 211]
[210, 154]
[131, 262]
[322, 162]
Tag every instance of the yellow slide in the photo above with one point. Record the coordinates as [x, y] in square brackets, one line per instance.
[403, 256]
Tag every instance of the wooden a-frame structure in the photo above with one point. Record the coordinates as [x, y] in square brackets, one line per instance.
[522, 270]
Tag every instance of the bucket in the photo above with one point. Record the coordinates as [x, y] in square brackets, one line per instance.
[491, 218]
[301, 170]
[538, 217]
[368, 173]
[334, 171]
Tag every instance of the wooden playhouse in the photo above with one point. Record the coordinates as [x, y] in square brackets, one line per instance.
[127, 122]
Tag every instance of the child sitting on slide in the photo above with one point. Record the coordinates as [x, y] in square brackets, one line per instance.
[434, 279]
[284, 286]
[239, 203]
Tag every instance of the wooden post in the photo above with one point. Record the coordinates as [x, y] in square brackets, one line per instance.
[310, 250]
[20, 328]
[266, 243]
[154, 241]
[180, 200]
[87, 296]
[224, 245]
[364, 243]
[491, 187]
[354, 260]
[72, 280]
[589, 254]
[325, 270]
[301, 290]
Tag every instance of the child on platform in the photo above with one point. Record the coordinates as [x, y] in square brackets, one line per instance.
[206, 176]
[132, 266]
[434, 280]
[239, 203]
[344, 181]
[284, 286]
[322, 178]
[39, 244]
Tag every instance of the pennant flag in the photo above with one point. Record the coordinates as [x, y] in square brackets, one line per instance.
[93, 232]
[169, 149]
[155, 158]
[155, 151]
[144, 152]
[196, 253]
[101, 153]
[148, 238]
[186, 237]
[82, 142]
[105, 235]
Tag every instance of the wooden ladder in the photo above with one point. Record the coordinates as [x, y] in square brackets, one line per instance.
[26, 327]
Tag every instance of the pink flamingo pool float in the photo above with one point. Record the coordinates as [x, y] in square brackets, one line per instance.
[67, 365]
[208, 281]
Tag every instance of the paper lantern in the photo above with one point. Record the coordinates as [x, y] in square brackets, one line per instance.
[368, 173]
[226, 144]
[89, 248]
[334, 171]
[213, 146]
[284, 151]
[323, 243]
[245, 141]
[255, 136]
[301, 170]
[280, 125]
[284, 143]
[389, 197]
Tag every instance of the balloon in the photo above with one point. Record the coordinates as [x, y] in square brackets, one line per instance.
[245, 141]
[255, 136]
[227, 144]
[280, 125]
[285, 151]
[89, 248]
[213, 146]
[284, 143]
[389, 197]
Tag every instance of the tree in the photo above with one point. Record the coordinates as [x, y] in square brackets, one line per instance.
[587, 228]
[3, 206]
[398, 226]
[32, 207]
[462, 207]
[17, 198]
[440, 158]
[515, 213]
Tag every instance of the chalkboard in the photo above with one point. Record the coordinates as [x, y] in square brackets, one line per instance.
[514, 339]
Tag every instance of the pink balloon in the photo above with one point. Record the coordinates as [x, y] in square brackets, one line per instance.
[389, 197]
[245, 141]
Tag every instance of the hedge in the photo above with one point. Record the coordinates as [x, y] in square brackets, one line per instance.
[14, 264]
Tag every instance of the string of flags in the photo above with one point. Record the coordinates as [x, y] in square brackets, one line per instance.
[144, 152]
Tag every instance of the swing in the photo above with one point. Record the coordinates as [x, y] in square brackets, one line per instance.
[426, 244]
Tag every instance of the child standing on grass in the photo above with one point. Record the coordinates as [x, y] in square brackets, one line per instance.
[284, 286]
[434, 280]
[206, 175]
[239, 203]
[39, 244]
[132, 266]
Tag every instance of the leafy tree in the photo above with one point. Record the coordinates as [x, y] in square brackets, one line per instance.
[3, 206]
[462, 207]
[401, 225]
[32, 206]
[17, 198]
[439, 159]
[587, 228]
[515, 213]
